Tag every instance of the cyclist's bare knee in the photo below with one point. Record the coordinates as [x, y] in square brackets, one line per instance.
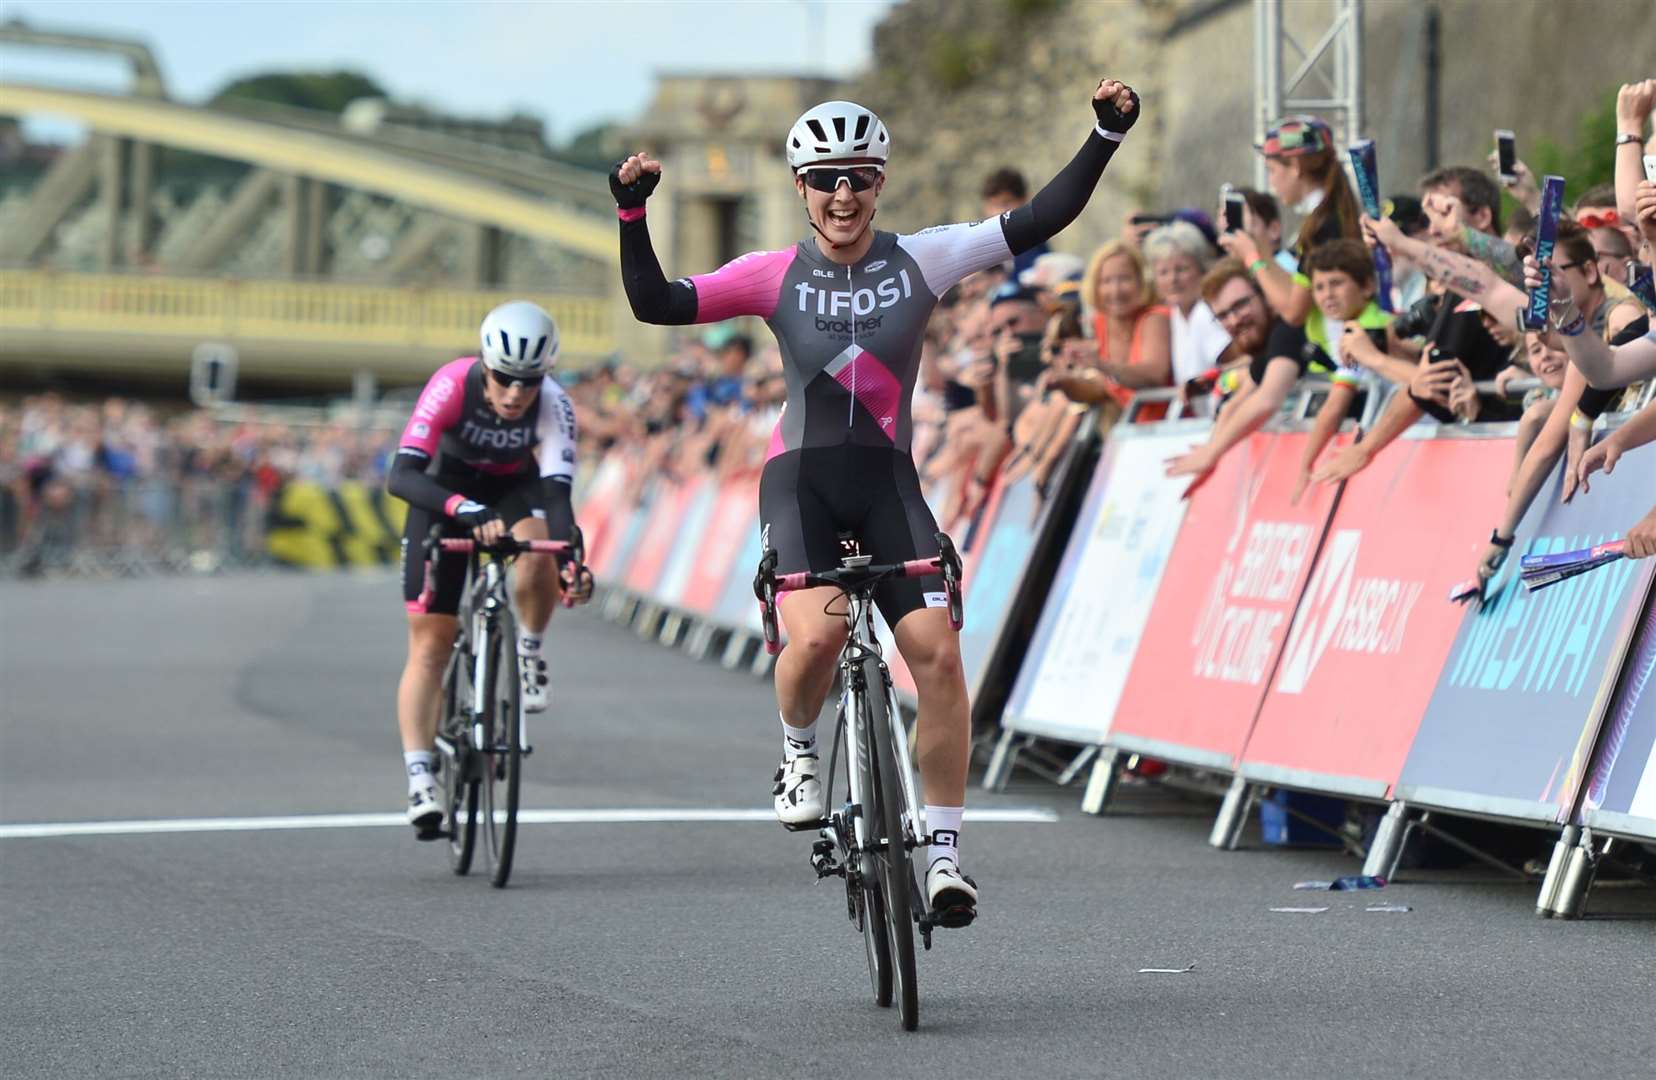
[815, 636]
[430, 638]
[930, 648]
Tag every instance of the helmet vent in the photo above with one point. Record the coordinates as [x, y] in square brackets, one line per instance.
[862, 130]
[506, 341]
[839, 128]
[818, 130]
[539, 347]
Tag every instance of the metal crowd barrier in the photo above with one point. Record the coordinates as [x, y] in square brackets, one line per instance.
[1163, 625]
[111, 528]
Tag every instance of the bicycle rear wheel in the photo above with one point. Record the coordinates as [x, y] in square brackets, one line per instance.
[502, 762]
[896, 868]
[459, 783]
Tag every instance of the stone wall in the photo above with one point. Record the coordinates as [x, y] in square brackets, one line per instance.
[968, 85]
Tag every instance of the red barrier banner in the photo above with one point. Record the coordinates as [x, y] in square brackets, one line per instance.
[1374, 625]
[722, 543]
[600, 514]
[700, 500]
[1221, 615]
[666, 510]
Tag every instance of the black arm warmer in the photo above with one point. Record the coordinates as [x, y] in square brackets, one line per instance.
[654, 299]
[1062, 200]
[409, 482]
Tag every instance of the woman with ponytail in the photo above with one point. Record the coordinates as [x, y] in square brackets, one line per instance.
[1305, 173]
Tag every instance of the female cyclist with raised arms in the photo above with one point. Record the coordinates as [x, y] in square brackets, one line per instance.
[849, 306]
[489, 450]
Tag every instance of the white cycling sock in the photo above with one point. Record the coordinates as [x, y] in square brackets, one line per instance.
[944, 823]
[418, 763]
[797, 741]
[529, 644]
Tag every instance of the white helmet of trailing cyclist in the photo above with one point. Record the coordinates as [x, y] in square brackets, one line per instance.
[520, 340]
[837, 131]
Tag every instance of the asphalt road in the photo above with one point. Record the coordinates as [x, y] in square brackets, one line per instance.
[630, 949]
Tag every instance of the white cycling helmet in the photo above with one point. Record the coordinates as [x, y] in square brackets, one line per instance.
[835, 131]
[520, 340]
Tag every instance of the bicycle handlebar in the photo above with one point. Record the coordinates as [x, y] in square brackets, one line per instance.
[508, 545]
[574, 549]
[850, 577]
[767, 584]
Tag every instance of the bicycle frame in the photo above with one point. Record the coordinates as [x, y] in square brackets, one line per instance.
[487, 595]
[860, 646]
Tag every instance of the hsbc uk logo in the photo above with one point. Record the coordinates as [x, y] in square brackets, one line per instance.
[1368, 615]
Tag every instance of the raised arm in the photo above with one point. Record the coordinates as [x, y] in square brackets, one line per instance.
[1465, 275]
[1634, 102]
[654, 299]
[1065, 195]
[1604, 366]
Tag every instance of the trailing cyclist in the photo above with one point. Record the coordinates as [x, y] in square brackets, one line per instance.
[489, 451]
[849, 307]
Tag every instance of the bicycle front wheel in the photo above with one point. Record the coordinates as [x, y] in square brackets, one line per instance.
[896, 866]
[503, 756]
[459, 780]
[870, 903]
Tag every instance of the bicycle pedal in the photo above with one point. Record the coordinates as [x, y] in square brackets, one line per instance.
[805, 826]
[953, 917]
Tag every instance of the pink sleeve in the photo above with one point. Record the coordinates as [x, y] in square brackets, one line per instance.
[438, 408]
[749, 285]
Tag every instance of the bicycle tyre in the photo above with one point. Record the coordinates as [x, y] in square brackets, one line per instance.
[459, 785]
[502, 764]
[897, 877]
[876, 936]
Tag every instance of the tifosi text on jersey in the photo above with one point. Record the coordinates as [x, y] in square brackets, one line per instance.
[830, 305]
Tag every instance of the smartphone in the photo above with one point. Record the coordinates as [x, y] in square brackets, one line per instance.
[1233, 208]
[1641, 284]
[1506, 150]
[1650, 167]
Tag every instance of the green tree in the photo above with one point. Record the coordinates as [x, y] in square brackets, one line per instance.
[323, 91]
[1592, 159]
[589, 147]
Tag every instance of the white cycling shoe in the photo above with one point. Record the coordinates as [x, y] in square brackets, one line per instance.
[425, 810]
[951, 895]
[798, 793]
[536, 688]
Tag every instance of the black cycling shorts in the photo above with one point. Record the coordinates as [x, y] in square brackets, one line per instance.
[809, 499]
[516, 497]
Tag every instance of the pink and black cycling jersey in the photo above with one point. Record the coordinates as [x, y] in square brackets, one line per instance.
[850, 335]
[455, 429]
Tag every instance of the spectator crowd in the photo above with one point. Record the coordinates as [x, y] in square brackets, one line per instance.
[1233, 321]
[122, 485]
[1236, 321]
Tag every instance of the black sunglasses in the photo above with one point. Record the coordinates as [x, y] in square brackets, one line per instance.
[508, 381]
[826, 178]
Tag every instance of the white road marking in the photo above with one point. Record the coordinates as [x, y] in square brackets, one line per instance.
[372, 821]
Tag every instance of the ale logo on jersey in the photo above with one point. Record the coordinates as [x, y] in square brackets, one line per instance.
[1368, 615]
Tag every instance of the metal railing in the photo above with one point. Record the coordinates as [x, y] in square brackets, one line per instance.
[299, 312]
[103, 527]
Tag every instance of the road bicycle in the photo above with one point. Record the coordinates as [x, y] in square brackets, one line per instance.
[482, 736]
[870, 838]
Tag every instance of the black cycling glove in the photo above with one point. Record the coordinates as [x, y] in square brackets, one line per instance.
[1110, 118]
[474, 515]
[631, 196]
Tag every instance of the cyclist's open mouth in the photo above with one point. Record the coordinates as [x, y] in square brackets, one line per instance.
[844, 219]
